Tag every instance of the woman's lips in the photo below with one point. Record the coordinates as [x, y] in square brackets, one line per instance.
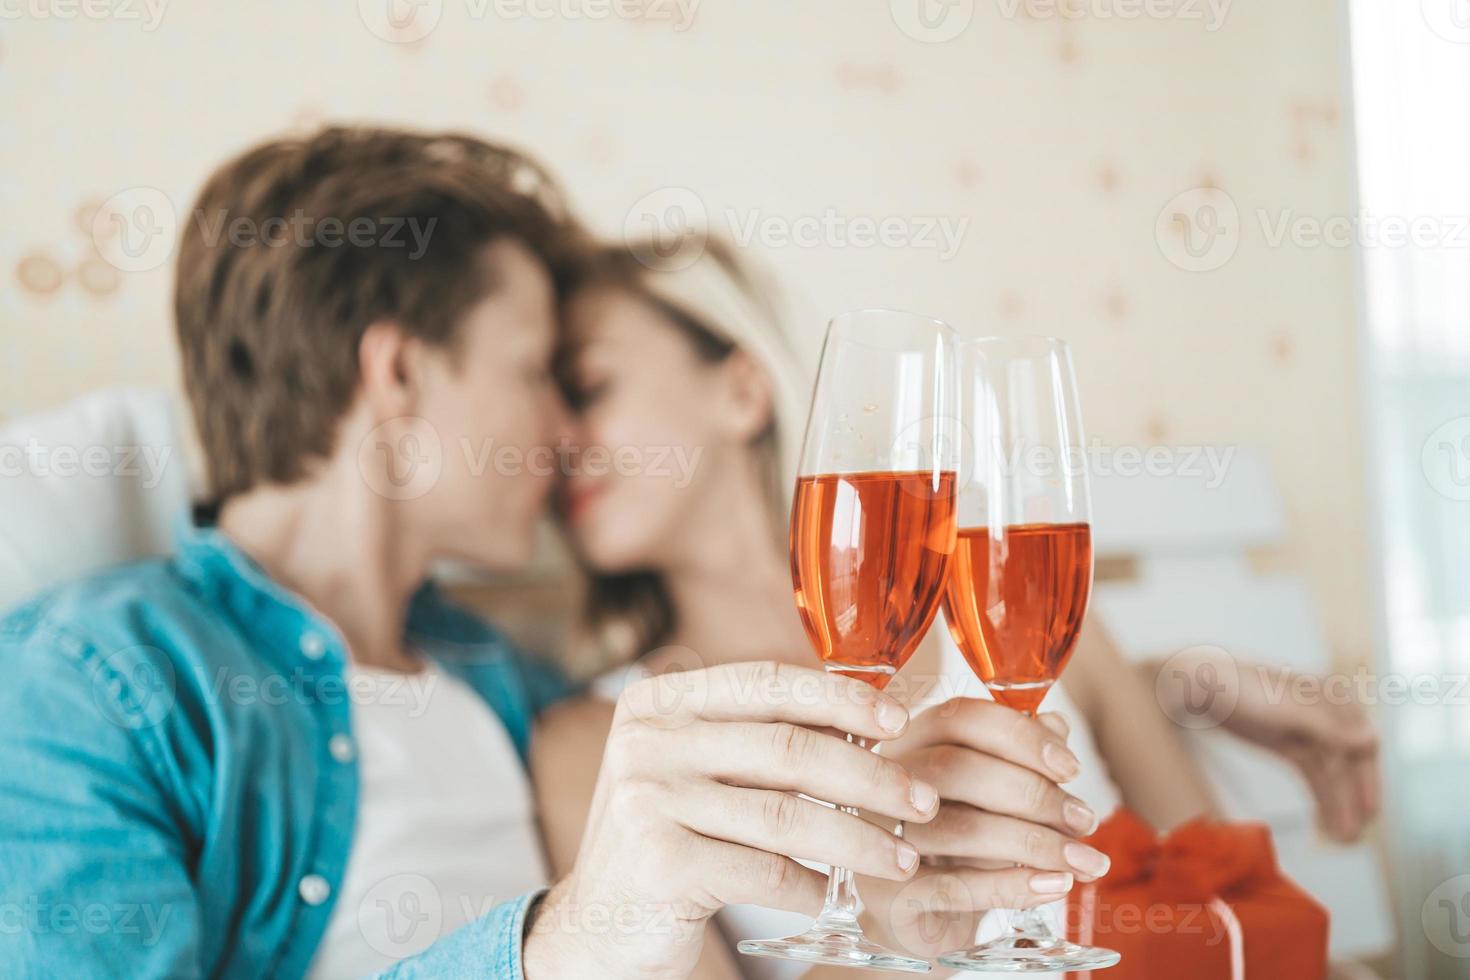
[576, 501]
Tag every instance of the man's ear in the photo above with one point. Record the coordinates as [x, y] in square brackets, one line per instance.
[388, 364]
[748, 396]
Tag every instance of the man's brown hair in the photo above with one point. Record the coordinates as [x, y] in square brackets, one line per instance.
[295, 247]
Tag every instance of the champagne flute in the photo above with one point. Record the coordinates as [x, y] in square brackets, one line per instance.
[1022, 571]
[872, 530]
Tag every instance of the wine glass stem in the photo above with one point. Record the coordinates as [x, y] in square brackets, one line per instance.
[1030, 922]
[839, 911]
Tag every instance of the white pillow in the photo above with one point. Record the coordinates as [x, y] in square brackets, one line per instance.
[98, 481]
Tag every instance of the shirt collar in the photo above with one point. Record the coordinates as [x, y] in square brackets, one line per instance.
[283, 622]
[279, 620]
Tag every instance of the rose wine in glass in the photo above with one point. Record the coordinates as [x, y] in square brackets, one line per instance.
[868, 557]
[1017, 629]
[1022, 570]
[872, 531]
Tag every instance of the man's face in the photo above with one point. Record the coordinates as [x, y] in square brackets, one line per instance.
[497, 416]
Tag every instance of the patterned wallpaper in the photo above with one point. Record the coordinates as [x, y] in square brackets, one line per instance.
[1129, 175]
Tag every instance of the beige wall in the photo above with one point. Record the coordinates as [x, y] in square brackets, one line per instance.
[1060, 139]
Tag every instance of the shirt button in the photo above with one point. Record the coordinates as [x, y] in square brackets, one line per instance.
[314, 889]
[313, 646]
[341, 748]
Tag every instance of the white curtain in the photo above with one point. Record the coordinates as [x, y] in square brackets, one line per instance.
[1411, 92]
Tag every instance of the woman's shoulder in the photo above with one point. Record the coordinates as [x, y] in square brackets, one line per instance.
[573, 721]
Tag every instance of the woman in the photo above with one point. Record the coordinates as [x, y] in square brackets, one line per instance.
[686, 565]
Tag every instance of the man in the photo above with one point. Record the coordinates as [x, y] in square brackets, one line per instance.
[364, 317]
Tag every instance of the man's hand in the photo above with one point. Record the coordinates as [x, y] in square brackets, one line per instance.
[997, 772]
[696, 808]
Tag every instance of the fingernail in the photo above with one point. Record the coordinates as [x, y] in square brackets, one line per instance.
[1060, 760]
[908, 855]
[1086, 860]
[922, 796]
[1079, 817]
[1057, 722]
[891, 716]
[1051, 883]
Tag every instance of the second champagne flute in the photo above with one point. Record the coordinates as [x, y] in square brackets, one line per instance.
[1022, 571]
[872, 530]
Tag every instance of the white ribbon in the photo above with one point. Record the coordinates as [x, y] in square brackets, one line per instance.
[1235, 934]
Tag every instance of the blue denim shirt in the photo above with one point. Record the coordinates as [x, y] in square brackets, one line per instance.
[169, 803]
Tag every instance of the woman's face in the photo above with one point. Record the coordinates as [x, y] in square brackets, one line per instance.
[655, 426]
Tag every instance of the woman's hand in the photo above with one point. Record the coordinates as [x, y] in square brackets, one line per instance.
[1006, 832]
[1326, 735]
[1311, 721]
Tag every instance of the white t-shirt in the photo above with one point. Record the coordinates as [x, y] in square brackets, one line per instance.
[1093, 786]
[445, 820]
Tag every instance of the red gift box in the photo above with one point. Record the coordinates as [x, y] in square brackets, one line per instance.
[1206, 902]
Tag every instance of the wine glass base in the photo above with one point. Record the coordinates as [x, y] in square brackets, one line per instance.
[818, 945]
[1028, 954]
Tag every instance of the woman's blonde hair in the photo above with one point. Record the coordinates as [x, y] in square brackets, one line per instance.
[721, 305]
